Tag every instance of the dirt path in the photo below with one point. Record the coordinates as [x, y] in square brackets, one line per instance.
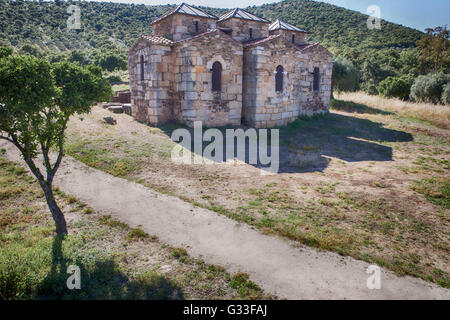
[275, 264]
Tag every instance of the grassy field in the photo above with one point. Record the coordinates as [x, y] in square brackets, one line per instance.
[367, 181]
[435, 114]
[116, 262]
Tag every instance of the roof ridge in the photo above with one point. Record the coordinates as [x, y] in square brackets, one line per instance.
[191, 11]
[234, 13]
[280, 24]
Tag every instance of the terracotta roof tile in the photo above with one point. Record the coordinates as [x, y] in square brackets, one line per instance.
[158, 40]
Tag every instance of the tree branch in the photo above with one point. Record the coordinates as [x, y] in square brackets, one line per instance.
[6, 138]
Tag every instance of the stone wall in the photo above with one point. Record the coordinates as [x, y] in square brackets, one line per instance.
[193, 80]
[300, 37]
[177, 82]
[241, 28]
[263, 105]
[151, 98]
[181, 26]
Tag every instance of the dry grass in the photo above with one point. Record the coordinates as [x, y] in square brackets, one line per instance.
[435, 114]
[347, 183]
[116, 261]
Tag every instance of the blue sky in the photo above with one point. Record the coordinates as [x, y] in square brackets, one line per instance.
[419, 14]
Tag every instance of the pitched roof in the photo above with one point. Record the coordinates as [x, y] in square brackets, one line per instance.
[157, 40]
[260, 40]
[242, 14]
[186, 9]
[279, 24]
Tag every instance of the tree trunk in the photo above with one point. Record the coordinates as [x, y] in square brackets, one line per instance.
[58, 216]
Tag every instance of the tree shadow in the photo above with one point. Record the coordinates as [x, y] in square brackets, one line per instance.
[307, 144]
[352, 107]
[102, 280]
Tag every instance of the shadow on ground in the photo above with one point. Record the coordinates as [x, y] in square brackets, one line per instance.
[102, 280]
[307, 143]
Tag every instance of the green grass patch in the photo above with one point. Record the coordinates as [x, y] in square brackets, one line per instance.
[435, 190]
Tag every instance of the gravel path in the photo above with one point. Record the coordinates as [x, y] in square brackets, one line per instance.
[277, 265]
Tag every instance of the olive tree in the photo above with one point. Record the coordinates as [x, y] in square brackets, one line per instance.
[36, 101]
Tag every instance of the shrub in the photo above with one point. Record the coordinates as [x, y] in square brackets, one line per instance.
[136, 234]
[345, 75]
[393, 87]
[179, 252]
[446, 95]
[429, 88]
[114, 79]
[370, 88]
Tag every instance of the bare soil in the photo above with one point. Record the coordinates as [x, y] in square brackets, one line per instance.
[364, 183]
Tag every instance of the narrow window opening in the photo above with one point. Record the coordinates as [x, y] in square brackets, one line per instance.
[162, 76]
[316, 83]
[251, 33]
[217, 76]
[142, 68]
[279, 79]
[293, 38]
[196, 27]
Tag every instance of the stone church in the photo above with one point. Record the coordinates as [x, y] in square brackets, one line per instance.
[233, 70]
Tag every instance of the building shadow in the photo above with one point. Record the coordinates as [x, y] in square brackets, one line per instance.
[101, 281]
[352, 107]
[307, 144]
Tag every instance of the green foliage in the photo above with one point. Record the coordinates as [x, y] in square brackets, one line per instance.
[37, 101]
[393, 87]
[112, 61]
[179, 252]
[136, 234]
[114, 79]
[429, 88]
[108, 29]
[345, 75]
[31, 50]
[6, 51]
[246, 288]
[446, 95]
[435, 49]
[336, 27]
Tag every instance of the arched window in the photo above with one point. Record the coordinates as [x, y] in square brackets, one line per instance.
[216, 76]
[316, 83]
[279, 79]
[142, 68]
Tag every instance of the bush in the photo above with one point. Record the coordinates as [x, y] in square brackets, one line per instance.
[393, 87]
[429, 88]
[446, 95]
[114, 79]
[370, 88]
[345, 75]
[6, 51]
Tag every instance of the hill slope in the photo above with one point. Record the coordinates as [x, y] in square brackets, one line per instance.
[107, 25]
